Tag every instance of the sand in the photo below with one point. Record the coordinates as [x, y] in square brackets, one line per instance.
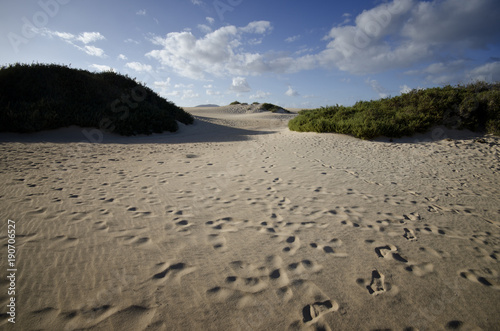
[237, 223]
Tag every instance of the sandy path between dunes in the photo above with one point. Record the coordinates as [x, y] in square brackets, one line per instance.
[236, 223]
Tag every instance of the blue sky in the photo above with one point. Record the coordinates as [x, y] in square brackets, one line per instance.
[292, 53]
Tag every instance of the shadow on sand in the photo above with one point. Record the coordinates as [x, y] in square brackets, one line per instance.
[201, 131]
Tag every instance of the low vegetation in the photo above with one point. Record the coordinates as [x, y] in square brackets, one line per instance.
[475, 107]
[266, 106]
[273, 108]
[47, 96]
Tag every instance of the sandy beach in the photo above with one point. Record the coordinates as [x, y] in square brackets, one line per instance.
[237, 223]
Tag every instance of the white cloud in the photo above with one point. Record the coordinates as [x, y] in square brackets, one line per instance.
[90, 37]
[210, 20]
[141, 12]
[63, 35]
[218, 52]
[165, 83]
[240, 85]
[212, 92]
[189, 86]
[260, 95]
[445, 72]
[392, 35]
[162, 86]
[204, 28]
[292, 38]
[197, 2]
[173, 94]
[404, 89]
[122, 57]
[259, 27]
[94, 51]
[375, 85]
[99, 67]
[221, 53]
[85, 38]
[189, 94]
[131, 41]
[139, 67]
[489, 72]
[291, 92]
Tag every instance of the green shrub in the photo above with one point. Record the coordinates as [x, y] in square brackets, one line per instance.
[48, 96]
[272, 108]
[474, 106]
[235, 103]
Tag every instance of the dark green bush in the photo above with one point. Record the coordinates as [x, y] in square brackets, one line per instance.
[474, 106]
[48, 96]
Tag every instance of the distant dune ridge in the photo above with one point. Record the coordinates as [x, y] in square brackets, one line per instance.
[207, 105]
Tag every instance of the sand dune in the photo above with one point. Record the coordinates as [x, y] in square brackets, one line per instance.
[236, 223]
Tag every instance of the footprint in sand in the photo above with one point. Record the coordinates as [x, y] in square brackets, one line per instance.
[409, 234]
[486, 277]
[412, 216]
[182, 226]
[226, 224]
[221, 226]
[389, 251]
[377, 284]
[247, 280]
[332, 248]
[292, 242]
[174, 271]
[218, 241]
[312, 312]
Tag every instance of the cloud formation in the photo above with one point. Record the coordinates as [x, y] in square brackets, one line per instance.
[240, 85]
[218, 53]
[84, 38]
[400, 34]
[291, 92]
[139, 67]
[100, 67]
[405, 32]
